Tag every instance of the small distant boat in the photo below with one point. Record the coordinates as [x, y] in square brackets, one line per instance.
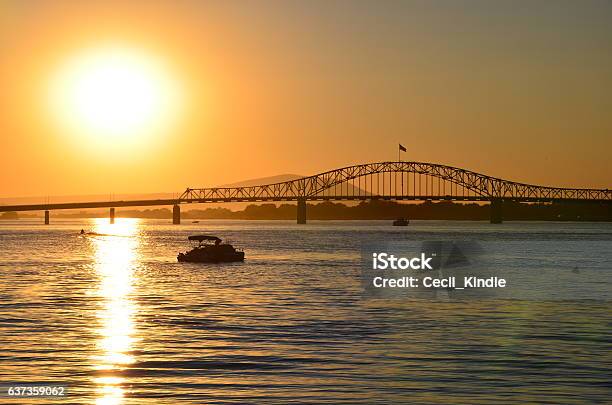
[401, 222]
[211, 249]
[195, 222]
[83, 233]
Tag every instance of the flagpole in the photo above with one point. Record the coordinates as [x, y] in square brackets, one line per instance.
[399, 157]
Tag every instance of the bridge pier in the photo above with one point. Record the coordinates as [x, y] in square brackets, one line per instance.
[112, 215]
[301, 211]
[496, 207]
[176, 214]
[46, 217]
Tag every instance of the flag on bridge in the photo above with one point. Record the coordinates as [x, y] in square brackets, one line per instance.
[399, 152]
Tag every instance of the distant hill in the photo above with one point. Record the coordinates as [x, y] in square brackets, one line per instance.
[143, 196]
[351, 190]
[264, 180]
[154, 196]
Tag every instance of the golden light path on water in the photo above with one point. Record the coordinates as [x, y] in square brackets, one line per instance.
[115, 259]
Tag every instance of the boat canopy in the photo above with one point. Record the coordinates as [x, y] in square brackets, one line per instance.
[202, 238]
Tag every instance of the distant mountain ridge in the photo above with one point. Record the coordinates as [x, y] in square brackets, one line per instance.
[264, 180]
[137, 196]
[350, 190]
[338, 189]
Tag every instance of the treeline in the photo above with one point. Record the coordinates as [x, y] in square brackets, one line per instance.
[376, 209]
[380, 209]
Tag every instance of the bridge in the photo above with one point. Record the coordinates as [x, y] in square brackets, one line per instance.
[415, 181]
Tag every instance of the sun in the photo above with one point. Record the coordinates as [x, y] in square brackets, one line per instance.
[114, 95]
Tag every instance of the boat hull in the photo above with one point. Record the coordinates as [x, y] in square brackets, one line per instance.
[400, 222]
[208, 257]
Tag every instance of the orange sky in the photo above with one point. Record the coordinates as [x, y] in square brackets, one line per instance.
[521, 93]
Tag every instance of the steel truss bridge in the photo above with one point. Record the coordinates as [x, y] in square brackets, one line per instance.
[383, 180]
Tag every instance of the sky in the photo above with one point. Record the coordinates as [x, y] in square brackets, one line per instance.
[219, 92]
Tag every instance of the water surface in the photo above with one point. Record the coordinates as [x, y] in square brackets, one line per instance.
[119, 321]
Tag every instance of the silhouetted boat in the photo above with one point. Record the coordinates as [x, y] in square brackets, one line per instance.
[401, 222]
[211, 249]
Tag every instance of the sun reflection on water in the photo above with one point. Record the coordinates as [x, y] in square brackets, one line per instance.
[115, 260]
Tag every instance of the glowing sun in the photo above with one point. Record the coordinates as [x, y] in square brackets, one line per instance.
[113, 94]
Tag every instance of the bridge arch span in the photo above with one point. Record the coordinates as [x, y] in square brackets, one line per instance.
[397, 180]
